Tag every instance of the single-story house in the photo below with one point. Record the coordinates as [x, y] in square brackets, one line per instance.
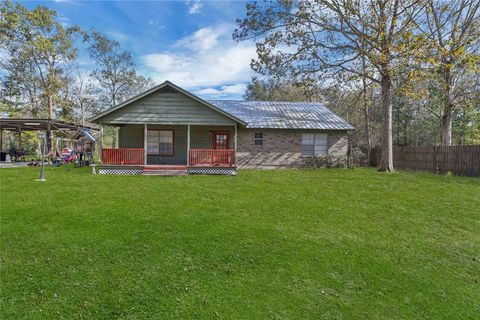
[168, 127]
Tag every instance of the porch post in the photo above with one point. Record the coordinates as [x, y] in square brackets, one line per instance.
[117, 135]
[235, 146]
[145, 144]
[19, 138]
[188, 145]
[100, 144]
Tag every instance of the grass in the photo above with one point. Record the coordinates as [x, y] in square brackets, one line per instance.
[326, 244]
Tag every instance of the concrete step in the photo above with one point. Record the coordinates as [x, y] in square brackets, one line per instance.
[165, 173]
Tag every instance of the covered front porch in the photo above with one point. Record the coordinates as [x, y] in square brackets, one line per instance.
[171, 147]
[169, 126]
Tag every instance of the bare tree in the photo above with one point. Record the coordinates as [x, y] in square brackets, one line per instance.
[115, 69]
[83, 95]
[453, 30]
[323, 38]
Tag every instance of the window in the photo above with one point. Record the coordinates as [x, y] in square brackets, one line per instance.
[258, 138]
[160, 142]
[314, 144]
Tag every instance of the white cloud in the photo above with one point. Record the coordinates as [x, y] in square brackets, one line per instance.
[224, 91]
[207, 60]
[202, 39]
[194, 6]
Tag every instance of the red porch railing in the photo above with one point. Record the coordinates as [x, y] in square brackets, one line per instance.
[212, 157]
[123, 156]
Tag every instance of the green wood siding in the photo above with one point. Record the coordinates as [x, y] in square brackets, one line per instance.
[200, 139]
[131, 136]
[166, 107]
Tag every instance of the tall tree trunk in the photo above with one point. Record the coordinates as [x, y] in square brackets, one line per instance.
[447, 119]
[448, 107]
[49, 129]
[366, 109]
[82, 110]
[387, 144]
[368, 129]
[114, 98]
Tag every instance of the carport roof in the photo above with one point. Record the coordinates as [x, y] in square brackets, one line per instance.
[16, 124]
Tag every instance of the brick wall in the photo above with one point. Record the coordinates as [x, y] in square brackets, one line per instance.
[337, 143]
[281, 148]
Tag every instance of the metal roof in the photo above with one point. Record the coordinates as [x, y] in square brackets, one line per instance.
[258, 114]
[283, 114]
[15, 124]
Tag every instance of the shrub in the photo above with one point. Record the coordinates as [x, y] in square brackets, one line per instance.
[325, 162]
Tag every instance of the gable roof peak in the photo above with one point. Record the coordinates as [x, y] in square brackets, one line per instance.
[162, 85]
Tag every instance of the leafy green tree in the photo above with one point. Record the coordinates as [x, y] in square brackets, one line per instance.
[318, 39]
[466, 122]
[280, 90]
[115, 69]
[453, 30]
[444, 75]
[38, 48]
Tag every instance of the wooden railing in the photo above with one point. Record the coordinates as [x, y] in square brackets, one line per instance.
[123, 156]
[212, 157]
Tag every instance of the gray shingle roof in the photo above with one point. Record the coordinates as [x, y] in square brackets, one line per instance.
[283, 115]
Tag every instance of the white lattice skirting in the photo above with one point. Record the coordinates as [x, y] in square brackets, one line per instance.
[221, 171]
[212, 171]
[120, 171]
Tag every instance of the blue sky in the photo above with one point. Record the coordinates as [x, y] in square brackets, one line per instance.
[187, 42]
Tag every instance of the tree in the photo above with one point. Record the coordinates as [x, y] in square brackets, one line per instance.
[115, 69]
[453, 29]
[317, 39]
[38, 48]
[280, 90]
[83, 96]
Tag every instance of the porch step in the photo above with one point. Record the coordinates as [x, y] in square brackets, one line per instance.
[164, 167]
[165, 173]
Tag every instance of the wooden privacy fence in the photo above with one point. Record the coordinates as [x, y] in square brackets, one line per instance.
[459, 160]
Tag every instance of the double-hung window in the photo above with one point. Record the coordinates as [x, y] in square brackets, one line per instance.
[160, 142]
[258, 138]
[314, 144]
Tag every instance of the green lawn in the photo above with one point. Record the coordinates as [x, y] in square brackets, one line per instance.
[326, 244]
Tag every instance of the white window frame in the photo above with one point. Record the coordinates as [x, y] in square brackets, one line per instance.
[315, 143]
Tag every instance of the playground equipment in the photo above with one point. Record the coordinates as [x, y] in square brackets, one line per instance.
[77, 149]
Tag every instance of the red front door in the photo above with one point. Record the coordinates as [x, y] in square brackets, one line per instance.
[220, 139]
